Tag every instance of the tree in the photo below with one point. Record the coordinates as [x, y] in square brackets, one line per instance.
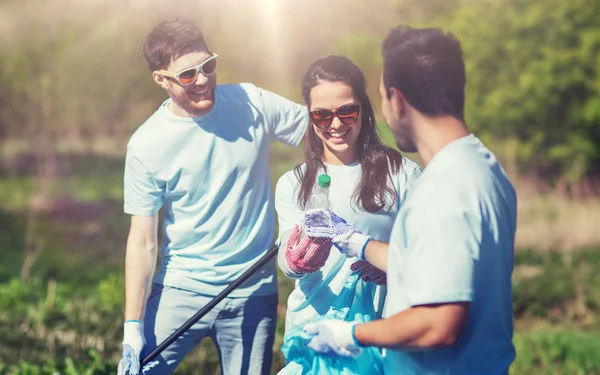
[533, 70]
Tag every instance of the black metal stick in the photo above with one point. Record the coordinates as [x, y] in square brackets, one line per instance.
[197, 316]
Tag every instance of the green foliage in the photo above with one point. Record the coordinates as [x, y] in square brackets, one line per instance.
[533, 88]
[533, 76]
[11, 226]
[94, 366]
[53, 327]
[53, 75]
[556, 352]
[533, 94]
[557, 286]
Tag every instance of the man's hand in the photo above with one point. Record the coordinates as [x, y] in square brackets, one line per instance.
[333, 336]
[314, 226]
[348, 239]
[133, 343]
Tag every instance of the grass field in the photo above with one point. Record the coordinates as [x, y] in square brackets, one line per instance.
[61, 272]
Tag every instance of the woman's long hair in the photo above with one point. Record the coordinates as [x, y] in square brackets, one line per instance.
[376, 160]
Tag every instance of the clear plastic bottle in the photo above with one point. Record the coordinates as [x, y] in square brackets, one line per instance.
[319, 201]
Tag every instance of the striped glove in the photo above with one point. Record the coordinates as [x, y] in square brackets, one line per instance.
[316, 227]
[346, 238]
[368, 272]
[307, 256]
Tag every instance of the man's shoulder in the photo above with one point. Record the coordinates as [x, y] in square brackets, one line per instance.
[236, 91]
[148, 130]
[465, 182]
[409, 168]
[154, 141]
[464, 160]
[262, 99]
[239, 99]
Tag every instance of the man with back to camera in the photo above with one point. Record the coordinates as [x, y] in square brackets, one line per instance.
[451, 253]
[203, 157]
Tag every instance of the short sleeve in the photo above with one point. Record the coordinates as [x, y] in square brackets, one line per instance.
[442, 246]
[142, 195]
[286, 121]
[411, 173]
[286, 194]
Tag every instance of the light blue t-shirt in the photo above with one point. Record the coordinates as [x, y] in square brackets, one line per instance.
[314, 294]
[453, 241]
[211, 177]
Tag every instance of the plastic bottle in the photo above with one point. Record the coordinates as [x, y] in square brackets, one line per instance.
[318, 202]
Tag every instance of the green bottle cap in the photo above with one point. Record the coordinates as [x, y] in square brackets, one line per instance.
[324, 180]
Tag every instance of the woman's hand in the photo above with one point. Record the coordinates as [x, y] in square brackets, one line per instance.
[306, 255]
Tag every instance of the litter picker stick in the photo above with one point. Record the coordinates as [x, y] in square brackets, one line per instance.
[197, 316]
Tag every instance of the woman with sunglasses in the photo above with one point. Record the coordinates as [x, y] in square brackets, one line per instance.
[369, 182]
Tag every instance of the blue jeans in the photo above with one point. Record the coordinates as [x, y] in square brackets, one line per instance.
[242, 329]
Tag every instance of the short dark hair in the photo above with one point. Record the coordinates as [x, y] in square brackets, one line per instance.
[427, 67]
[169, 40]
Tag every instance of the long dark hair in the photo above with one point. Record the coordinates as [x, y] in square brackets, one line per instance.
[376, 160]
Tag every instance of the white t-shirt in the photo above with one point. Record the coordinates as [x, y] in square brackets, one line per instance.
[211, 177]
[453, 241]
[315, 293]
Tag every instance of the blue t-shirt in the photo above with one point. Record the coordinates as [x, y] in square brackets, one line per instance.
[211, 177]
[315, 294]
[453, 241]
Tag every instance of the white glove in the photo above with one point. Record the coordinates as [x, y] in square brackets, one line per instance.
[133, 343]
[335, 336]
[352, 244]
[348, 239]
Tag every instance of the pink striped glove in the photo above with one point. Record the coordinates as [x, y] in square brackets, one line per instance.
[309, 255]
[368, 272]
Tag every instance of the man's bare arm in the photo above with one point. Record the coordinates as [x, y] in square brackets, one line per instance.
[419, 327]
[376, 253]
[140, 262]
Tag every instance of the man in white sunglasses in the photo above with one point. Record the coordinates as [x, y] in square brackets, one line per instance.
[203, 157]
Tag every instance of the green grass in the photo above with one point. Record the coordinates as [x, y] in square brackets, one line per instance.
[78, 315]
[558, 287]
[557, 352]
[80, 249]
[79, 177]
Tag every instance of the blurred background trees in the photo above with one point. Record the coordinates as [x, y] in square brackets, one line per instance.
[533, 80]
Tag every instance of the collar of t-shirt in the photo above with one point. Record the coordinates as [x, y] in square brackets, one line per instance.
[167, 113]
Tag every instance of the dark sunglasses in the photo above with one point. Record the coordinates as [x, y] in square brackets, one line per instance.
[348, 115]
[188, 76]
